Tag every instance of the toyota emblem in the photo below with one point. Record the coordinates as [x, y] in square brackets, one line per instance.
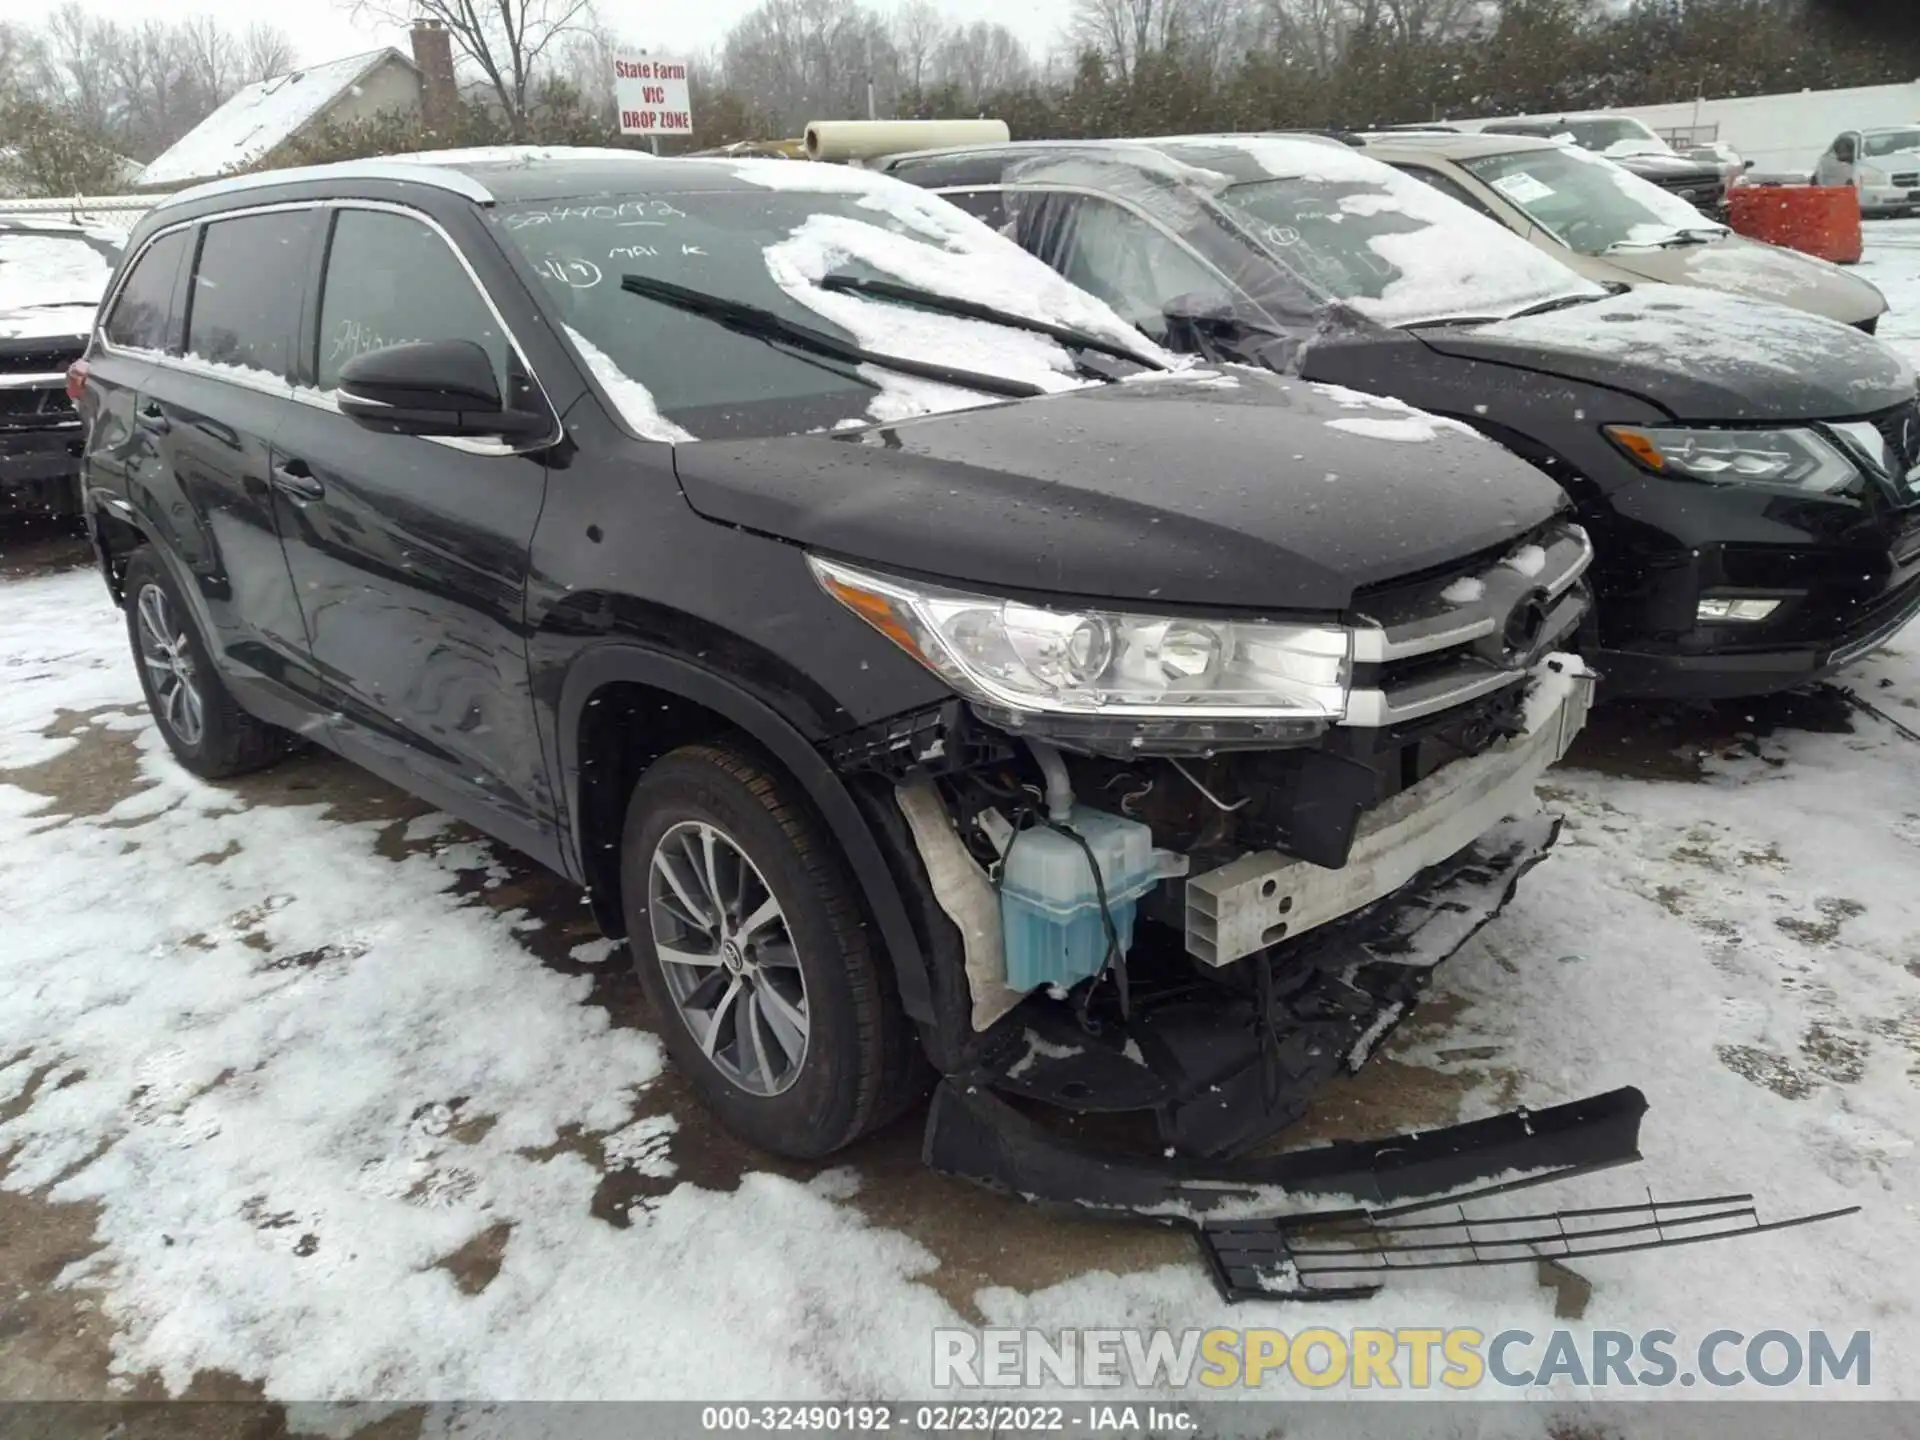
[1526, 623]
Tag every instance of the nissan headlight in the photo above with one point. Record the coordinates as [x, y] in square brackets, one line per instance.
[1796, 461]
[1011, 655]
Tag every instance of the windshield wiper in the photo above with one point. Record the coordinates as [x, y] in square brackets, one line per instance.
[1692, 235]
[1561, 302]
[973, 310]
[762, 324]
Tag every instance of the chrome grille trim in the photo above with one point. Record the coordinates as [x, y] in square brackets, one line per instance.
[1468, 639]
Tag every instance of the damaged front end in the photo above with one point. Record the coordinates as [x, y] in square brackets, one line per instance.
[1200, 924]
[1207, 921]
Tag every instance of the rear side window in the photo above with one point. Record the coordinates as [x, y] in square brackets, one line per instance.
[1114, 254]
[1448, 187]
[247, 288]
[392, 280]
[988, 206]
[143, 313]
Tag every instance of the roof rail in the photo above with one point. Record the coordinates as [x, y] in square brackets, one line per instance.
[390, 168]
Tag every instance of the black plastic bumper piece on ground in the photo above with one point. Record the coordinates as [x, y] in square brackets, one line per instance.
[975, 1135]
[1346, 1255]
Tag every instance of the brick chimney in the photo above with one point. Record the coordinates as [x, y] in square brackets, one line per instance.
[433, 53]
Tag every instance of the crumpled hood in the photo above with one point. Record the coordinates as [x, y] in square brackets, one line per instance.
[1760, 272]
[1700, 355]
[1233, 488]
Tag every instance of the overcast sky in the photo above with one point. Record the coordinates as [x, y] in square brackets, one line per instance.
[322, 30]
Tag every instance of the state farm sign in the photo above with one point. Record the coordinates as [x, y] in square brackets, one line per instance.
[651, 96]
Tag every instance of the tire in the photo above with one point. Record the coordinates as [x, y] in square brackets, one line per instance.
[196, 715]
[857, 1063]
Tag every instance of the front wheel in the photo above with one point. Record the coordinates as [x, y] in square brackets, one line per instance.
[197, 715]
[747, 937]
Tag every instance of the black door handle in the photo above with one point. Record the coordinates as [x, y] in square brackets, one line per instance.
[153, 418]
[293, 479]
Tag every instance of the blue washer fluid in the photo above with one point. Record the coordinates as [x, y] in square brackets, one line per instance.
[1050, 908]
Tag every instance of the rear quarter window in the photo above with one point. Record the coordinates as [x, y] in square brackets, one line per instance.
[145, 313]
[247, 288]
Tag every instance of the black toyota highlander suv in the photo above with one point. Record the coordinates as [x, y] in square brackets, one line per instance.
[1750, 475]
[913, 660]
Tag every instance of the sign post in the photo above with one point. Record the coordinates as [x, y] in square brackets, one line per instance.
[651, 96]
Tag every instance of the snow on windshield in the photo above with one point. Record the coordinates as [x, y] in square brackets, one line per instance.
[47, 269]
[1670, 212]
[826, 244]
[632, 399]
[675, 374]
[1447, 261]
[1590, 204]
[948, 252]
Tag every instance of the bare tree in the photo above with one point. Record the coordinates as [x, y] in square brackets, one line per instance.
[803, 60]
[584, 59]
[981, 58]
[72, 59]
[1119, 31]
[265, 51]
[203, 51]
[918, 30]
[505, 40]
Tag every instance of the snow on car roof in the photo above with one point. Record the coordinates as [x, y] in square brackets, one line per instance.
[260, 118]
[1455, 145]
[1458, 262]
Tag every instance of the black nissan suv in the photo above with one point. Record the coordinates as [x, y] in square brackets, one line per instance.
[916, 663]
[1750, 475]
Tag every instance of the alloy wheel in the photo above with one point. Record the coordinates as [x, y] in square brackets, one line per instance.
[170, 668]
[728, 957]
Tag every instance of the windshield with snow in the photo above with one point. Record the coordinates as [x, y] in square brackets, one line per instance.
[1892, 142]
[51, 268]
[1589, 204]
[678, 373]
[1393, 248]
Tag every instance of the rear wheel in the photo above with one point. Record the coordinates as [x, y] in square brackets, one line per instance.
[747, 937]
[197, 716]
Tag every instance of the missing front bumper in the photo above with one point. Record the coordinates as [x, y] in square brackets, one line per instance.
[1217, 1072]
[1262, 899]
[1331, 1222]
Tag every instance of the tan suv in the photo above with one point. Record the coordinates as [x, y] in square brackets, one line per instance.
[1612, 225]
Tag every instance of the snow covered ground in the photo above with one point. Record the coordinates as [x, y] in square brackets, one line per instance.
[1892, 262]
[349, 1105]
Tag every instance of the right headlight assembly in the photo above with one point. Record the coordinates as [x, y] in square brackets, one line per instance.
[1024, 658]
[1795, 461]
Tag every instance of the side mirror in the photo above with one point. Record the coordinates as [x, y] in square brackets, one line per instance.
[1208, 324]
[431, 387]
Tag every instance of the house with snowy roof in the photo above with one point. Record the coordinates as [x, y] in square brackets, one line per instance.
[264, 116]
